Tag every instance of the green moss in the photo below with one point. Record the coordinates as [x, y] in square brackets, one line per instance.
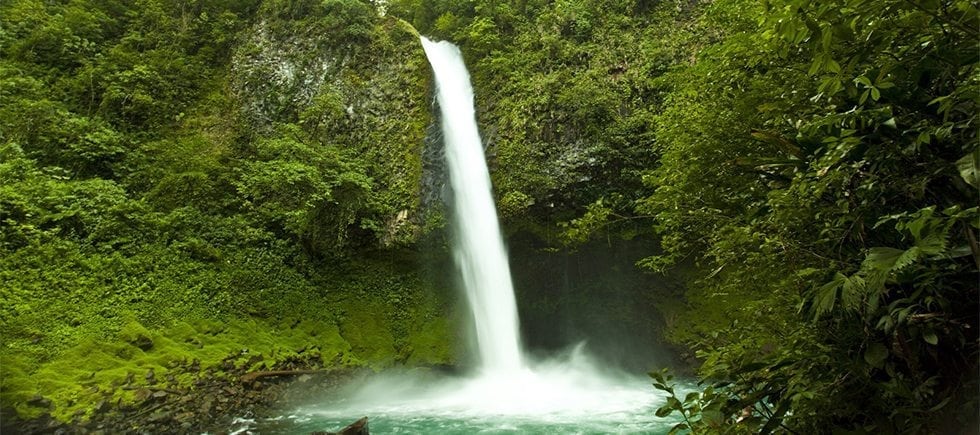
[372, 312]
[431, 343]
[94, 369]
[16, 385]
[406, 27]
[362, 323]
[386, 333]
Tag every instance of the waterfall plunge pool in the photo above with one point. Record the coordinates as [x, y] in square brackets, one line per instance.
[568, 395]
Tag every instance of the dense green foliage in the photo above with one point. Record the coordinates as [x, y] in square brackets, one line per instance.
[827, 186]
[810, 168]
[179, 167]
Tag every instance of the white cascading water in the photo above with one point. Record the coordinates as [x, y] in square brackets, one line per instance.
[479, 249]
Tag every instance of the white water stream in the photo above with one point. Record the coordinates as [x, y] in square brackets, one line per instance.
[479, 247]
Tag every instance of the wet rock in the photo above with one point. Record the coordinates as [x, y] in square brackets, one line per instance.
[101, 407]
[39, 401]
[151, 377]
[209, 405]
[359, 427]
[142, 395]
[160, 416]
[255, 359]
[143, 342]
[206, 405]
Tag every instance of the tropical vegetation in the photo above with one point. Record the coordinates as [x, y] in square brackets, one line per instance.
[173, 169]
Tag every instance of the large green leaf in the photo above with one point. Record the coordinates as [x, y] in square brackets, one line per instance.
[882, 258]
[929, 336]
[876, 354]
[969, 167]
[825, 296]
[878, 264]
[933, 243]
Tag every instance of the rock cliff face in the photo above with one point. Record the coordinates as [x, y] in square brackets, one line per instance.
[363, 85]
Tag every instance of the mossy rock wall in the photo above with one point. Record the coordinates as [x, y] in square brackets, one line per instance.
[368, 93]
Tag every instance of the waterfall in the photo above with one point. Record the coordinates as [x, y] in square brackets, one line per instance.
[479, 248]
[569, 392]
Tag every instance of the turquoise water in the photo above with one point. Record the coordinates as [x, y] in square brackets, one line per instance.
[641, 422]
[567, 396]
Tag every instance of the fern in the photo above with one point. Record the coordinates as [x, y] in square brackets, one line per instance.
[907, 258]
[825, 296]
[847, 290]
[877, 266]
[930, 234]
[934, 243]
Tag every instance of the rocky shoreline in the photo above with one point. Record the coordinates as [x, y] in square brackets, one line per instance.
[213, 403]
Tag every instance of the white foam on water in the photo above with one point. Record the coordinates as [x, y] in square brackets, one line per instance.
[560, 391]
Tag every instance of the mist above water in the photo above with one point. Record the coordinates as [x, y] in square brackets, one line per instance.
[567, 394]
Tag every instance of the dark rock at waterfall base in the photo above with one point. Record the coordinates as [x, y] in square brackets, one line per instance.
[359, 427]
[39, 402]
[159, 416]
